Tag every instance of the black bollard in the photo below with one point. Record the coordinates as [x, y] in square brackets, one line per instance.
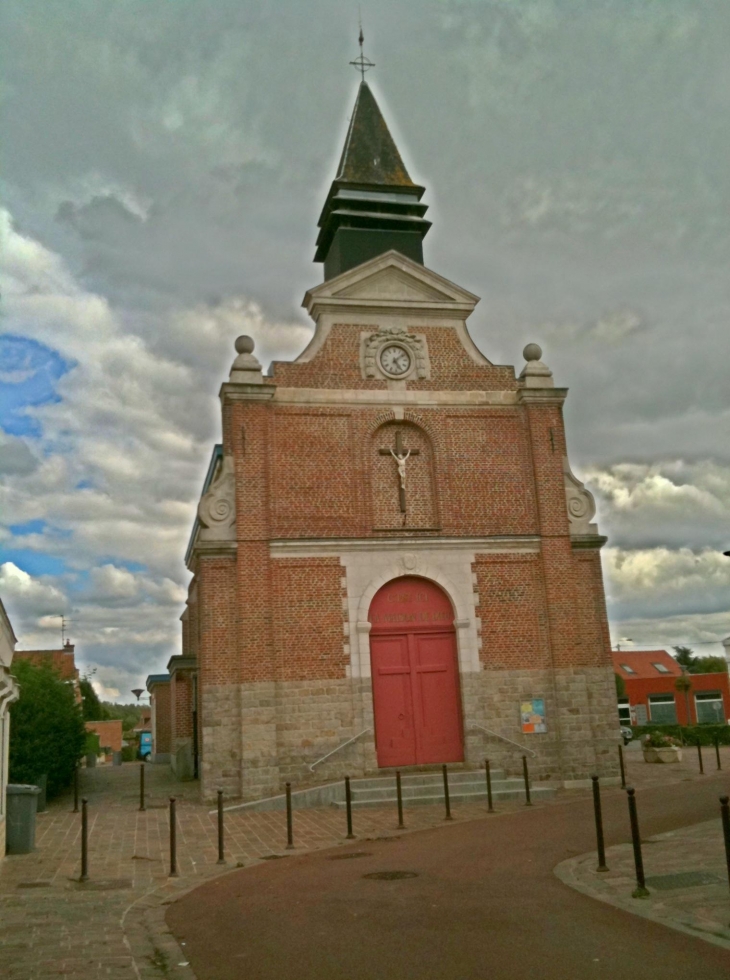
[725, 814]
[641, 891]
[289, 821]
[84, 842]
[717, 752]
[447, 799]
[699, 756]
[173, 840]
[525, 773]
[141, 786]
[599, 825]
[221, 855]
[76, 789]
[621, 764]
[348, 801]
[490, 806]
[399, 794]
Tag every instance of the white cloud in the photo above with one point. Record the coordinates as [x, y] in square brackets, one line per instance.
[27, 594]
[134, 425]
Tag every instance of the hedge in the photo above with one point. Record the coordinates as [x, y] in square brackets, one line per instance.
[688, 734]
[47, 732]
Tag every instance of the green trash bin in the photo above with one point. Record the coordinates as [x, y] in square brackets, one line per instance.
[42, 784]
[20, 820]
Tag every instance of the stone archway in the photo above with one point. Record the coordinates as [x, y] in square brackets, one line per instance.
[415, 676]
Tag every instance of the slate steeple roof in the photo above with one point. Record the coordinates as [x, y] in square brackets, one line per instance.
[373, 206]
[369, 155]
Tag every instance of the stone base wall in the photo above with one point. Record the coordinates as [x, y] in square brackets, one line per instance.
[257, 737]
[182, 762]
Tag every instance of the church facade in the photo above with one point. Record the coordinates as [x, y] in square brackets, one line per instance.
[393, 564]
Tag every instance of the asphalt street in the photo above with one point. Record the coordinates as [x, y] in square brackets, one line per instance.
[484, 903]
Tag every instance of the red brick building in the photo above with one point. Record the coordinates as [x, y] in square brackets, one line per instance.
[393, 564]
[650, 678]
[62, 661]
[109, 732]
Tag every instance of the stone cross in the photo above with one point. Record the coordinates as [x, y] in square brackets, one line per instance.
[400, 455]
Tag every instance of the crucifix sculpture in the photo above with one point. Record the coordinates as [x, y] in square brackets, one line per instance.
[400, 454]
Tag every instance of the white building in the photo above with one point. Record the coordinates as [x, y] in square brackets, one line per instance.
[8, 694]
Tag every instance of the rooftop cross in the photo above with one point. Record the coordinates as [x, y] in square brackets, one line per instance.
[362, 63]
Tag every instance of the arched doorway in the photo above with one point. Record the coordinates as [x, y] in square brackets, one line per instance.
[415, 674]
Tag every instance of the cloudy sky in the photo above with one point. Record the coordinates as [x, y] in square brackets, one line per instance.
[164, 165]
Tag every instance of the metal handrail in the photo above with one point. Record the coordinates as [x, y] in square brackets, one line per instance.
[505, 739]
[344, 744]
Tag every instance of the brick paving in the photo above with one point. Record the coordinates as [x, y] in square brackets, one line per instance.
[701, 910]
[113, 925]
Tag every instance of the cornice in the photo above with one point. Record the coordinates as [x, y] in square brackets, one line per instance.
[234, 392]
[421, 397]
[210, 549]
[541, 396]
[581, 542]
[513, 543]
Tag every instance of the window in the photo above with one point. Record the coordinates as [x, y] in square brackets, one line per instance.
[624, 712]
[662, 709]
[629, 670]
[662, 669]
[709, 707]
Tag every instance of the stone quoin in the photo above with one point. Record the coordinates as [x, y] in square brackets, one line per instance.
[392, 557]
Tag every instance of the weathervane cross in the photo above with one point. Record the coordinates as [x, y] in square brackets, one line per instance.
[362, 63]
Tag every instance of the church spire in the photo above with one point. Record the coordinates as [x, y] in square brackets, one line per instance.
[373, 205]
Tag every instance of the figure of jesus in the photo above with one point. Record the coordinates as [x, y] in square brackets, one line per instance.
[401, 464]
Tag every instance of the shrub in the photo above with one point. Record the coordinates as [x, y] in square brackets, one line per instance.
[657, 740]
[129, 753]
[46, 728]
[688, 734]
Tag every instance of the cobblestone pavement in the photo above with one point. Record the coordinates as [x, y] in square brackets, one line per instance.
[113, 925]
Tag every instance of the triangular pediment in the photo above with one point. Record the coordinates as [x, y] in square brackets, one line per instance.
[394, 284]
[391, 279]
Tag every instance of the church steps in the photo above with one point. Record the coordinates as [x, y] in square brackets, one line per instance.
[433, 796]
[425, 779]
[413, 792]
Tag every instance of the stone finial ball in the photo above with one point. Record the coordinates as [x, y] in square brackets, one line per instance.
[244, 345]
[533, 352]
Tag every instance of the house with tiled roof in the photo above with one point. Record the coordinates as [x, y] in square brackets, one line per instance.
[652, 696]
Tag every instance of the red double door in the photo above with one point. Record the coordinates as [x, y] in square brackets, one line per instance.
[415, 675]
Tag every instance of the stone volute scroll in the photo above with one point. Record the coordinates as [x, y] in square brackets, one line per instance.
[580, 503]
[217, 507]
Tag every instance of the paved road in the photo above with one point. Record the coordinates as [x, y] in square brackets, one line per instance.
[485, 904]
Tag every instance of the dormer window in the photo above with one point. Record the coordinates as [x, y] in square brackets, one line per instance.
[662, 669]
[629, 670]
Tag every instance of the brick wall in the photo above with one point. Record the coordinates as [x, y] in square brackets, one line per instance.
[337, 364]
[162, 719]
[512, 612]
[109, 732]
[271, 635]
[309, 619]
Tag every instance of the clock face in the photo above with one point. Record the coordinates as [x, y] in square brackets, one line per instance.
[395, 360]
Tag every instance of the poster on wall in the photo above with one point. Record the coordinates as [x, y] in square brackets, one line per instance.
[532, 716]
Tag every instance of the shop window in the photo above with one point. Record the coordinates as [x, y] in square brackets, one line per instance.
[662, 709]
[709, 707]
